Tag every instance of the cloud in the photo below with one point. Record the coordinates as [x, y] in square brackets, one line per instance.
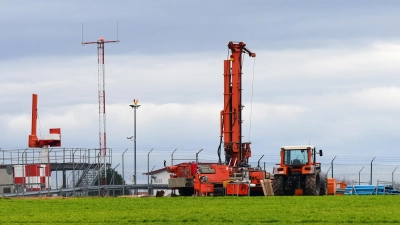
[339, 99]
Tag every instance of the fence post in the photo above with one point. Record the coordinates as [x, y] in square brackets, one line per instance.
[172, 157]
[332, 165]
[392, 177]
[370, 180]
[148, 172]
[359, 175]
[123, 173]
[197, 155]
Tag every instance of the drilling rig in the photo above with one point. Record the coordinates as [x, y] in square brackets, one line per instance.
[234, 175]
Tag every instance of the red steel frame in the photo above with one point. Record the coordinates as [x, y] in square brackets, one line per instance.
[236, 152]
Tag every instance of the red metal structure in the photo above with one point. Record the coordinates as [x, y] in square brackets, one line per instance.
[234, 176]
[236, 152]
[102, 103]
[51, 140]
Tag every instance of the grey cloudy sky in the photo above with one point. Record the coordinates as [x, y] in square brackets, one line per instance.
[326, 72]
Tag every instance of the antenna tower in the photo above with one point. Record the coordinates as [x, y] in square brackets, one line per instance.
[102, 103]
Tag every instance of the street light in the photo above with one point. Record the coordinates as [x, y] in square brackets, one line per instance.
[134, 106]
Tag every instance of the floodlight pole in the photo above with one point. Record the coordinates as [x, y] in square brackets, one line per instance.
[134, 107]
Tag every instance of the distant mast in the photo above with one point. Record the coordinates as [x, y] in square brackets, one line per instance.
[102, 103]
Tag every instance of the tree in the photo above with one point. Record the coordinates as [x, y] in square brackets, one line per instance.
[113, 178]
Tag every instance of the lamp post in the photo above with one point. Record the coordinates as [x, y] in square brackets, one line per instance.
[134, 107]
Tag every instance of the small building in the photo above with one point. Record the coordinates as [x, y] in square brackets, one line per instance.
[159, 176]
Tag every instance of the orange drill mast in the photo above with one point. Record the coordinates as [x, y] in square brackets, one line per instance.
[237, 152]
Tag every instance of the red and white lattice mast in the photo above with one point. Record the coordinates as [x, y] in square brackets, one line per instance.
[102, 105]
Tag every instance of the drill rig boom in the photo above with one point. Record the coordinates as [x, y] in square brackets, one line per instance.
[236, 151]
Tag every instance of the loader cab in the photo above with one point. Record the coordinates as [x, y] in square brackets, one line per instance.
[299, 155]
[296, 157]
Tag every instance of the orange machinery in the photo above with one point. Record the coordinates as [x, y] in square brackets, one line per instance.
[299, 173]
[234, 176]
[50, 140]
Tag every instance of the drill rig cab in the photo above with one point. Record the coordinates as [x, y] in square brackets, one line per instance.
[299, 173]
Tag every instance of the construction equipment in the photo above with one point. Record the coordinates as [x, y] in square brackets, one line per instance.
[298, 172]
[50, 140]
[234, 176]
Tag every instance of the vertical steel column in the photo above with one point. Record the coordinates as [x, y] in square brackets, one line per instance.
[134, 107]
[23, 173]
[48, 168]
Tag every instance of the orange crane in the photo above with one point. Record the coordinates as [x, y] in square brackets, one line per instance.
[234, 176]
[50, 140]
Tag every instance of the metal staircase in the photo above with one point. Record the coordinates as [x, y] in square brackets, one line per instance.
[88, 177]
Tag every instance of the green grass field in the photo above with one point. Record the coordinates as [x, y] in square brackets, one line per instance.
[204, 210]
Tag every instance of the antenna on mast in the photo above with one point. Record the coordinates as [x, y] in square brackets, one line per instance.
[82, 35]
[102, 105]
[117, 32]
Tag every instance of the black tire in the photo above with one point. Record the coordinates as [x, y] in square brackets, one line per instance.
[186, 191]
[312, 184]
[279, 186]
[324, 183]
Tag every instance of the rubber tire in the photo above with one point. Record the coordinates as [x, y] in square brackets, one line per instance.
[279, 186]
[189, 191]
[324, 183]
[312, 184]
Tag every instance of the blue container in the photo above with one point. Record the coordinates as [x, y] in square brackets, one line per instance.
[364, 190]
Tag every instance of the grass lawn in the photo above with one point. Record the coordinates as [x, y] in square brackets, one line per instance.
[204, 210]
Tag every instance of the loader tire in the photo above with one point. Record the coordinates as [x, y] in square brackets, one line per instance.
[279, 188]
[187, 191]
[312, 184]
[324, 183]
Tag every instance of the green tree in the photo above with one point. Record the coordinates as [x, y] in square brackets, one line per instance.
[113, 178]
